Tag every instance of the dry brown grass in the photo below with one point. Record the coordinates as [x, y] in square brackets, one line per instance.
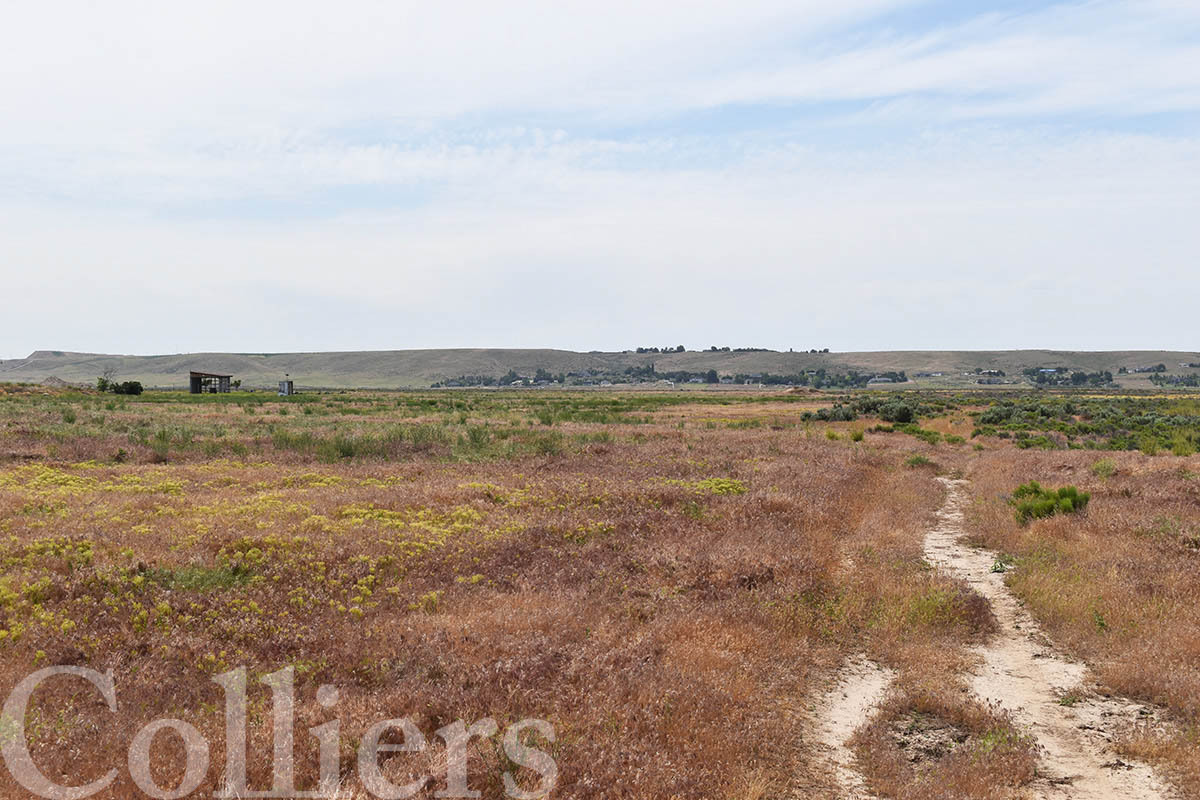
[672, 628]
[1116, 585]
[932, 741]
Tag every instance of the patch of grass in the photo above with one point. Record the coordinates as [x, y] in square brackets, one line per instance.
[1034, 502]
[719, 486]
[200, 578]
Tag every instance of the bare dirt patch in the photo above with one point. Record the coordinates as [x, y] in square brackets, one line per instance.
[926, 738]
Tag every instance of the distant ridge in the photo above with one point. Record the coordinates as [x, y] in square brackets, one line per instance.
[395, 369]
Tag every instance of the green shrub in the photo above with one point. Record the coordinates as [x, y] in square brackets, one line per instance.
[548, 443]
[929, 437]
[896, 412]
[838, 413]
[1182, 446]
[1027, 442]
[856, 436]
[161, 450]
[1104, 468]
[478, 436]
[1032, 501]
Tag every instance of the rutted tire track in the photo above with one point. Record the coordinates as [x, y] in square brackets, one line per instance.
[1021, 672]
[860, 687]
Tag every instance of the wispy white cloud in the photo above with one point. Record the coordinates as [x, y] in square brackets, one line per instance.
[460, 174]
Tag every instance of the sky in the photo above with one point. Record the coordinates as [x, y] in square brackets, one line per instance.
[858, 175]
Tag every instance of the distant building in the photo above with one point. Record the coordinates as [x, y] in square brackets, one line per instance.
[287, 388]
[209, 382]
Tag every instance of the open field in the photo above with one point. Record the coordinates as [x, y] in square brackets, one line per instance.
[393, 369]
[682, 585]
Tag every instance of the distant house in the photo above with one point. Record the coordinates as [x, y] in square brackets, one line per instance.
[287, 388]
[209, 382]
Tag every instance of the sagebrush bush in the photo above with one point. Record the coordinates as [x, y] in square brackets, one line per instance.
[896, 412]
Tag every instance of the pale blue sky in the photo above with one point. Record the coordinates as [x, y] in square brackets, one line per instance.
[870, 174]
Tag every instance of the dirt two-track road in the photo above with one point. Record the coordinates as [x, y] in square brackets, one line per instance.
[1019, 670]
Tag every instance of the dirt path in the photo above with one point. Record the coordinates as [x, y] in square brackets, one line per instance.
[859, 688]
[1022, 672]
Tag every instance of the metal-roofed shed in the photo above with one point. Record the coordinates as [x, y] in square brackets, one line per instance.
[209, 382]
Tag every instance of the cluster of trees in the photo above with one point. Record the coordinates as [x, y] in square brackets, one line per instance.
[1191, 381]
[508, 379]
[468, 380]
[677, 349]
[818, 379]
[1062, 376]
[1155, 368]
[106, 383]
[821, 379]
[715, 349]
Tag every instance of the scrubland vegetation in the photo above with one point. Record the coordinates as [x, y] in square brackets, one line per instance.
[668, 579]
